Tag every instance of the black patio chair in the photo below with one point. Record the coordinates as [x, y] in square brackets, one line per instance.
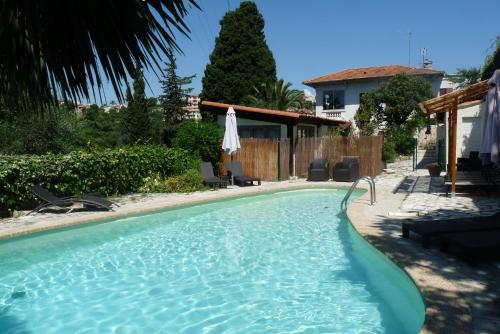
[66, 203]
[347, 170]
[472, 163]
[235, 172]
[318, 170]
[209, 179]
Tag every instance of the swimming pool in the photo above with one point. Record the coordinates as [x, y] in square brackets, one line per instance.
[285, 262]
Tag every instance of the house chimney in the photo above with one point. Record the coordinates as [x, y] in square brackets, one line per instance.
[427, 64]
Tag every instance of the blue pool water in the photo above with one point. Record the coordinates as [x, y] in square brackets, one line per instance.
[278, 263]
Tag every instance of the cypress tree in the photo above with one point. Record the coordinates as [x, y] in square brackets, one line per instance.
[174, 97]
[137, 120]
[241, 58]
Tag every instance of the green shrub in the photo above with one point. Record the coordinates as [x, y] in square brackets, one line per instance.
[108, 171]
[187, 182]
[403, 141]
[152, 184]
[388, 151]
[203, 139]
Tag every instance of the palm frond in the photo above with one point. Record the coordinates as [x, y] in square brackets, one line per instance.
[64, 48]
[277, 95]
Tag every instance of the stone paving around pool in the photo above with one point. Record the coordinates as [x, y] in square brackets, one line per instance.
[426, 196]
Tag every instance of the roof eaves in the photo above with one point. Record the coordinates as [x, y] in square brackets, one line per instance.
[270, 112]
[320, 81]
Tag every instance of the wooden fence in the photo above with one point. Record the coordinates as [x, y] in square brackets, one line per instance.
[368, 149]
[268, 159]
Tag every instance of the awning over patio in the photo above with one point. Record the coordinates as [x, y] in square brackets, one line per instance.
[449, 103]
[446, 102]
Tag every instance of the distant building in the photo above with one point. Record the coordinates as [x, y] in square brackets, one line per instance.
[338, 94]
[447, 86]
[115, 106]
[79, 106]
[192, 109]
[309, 97]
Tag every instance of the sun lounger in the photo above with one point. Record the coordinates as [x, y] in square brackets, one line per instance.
[209, 179]
[474, 245]
[236, 172]
[66, 203]
[433, 228]
[472, 240]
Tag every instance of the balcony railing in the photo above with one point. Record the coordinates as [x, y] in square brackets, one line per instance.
[333, 114]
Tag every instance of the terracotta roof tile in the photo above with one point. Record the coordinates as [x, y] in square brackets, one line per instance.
[371, 72]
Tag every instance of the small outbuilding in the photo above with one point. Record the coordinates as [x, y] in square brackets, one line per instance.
[284, 126]
[275, 124]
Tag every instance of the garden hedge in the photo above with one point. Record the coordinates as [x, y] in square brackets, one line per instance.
[108, 171]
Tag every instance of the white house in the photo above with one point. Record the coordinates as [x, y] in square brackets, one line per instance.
[338, 94]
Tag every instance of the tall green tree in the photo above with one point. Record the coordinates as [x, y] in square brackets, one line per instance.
[364, 117]
[241, 58]
[174, 96]
[99, 128]
[394, 108]
[466, 77]
[137, 114]
[396, 102]
[54, 130]
[492, 62]
[277, 95]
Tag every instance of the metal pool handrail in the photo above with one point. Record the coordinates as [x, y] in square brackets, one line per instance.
[373, 195]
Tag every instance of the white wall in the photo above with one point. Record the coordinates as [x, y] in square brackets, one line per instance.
[352, 89]
[448, 84]
[351, 95]
[464, 146]
[472, 112]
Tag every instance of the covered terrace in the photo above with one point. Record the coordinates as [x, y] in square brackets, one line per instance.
[450, 103]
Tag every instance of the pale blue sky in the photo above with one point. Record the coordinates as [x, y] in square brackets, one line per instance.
[316, 37]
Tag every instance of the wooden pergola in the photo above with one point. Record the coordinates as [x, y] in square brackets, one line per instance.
[449, 103]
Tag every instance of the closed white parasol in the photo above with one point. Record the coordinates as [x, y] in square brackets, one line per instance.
[231, 142]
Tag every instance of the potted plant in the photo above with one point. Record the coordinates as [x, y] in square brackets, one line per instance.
[434, 169]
